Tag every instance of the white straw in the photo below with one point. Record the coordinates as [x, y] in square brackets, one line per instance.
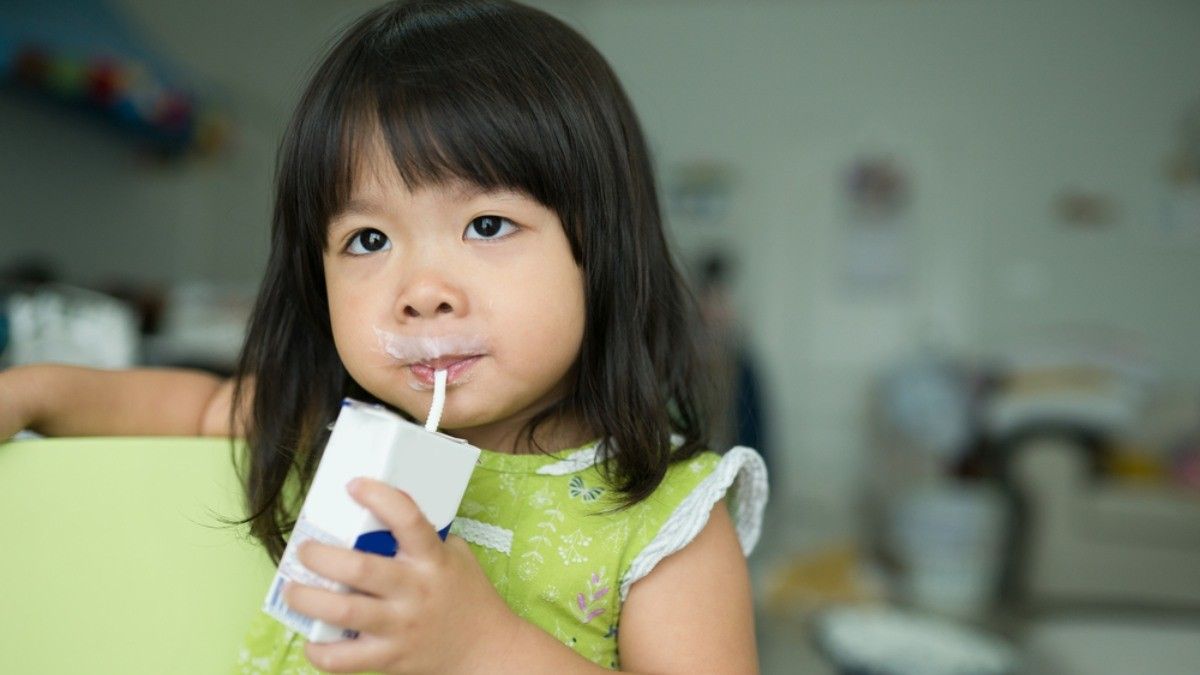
[439, 401]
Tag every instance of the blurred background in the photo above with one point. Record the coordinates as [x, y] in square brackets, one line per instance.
[951, 249]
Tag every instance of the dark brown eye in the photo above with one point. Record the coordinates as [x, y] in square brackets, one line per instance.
[367, 241]
[489, 227]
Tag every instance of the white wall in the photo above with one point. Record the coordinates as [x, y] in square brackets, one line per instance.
[994, 107]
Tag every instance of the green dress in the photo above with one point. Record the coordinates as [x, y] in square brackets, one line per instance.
[537, 526]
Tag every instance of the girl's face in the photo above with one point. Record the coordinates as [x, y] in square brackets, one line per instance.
[481, 284]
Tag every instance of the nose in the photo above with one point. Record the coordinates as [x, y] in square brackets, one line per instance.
[430, 296]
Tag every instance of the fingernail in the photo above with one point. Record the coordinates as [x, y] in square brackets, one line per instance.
[353, 486]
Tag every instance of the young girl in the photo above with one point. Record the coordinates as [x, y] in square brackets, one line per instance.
[464, 187]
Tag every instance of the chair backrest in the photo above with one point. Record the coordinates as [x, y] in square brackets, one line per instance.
[115, 560]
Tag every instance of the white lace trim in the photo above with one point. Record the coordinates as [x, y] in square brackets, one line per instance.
[576, 461]
[483, 534]
[585, 458]
[740, 468]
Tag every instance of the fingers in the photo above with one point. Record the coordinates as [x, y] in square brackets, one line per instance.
[414, 535]
[348, 610]
[349, 656]
[364, 572]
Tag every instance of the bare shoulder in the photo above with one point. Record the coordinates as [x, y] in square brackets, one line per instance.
[694, 611]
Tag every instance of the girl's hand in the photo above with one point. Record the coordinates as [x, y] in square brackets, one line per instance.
[430, 609]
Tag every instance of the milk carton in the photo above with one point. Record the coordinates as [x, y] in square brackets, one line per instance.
[368, 440]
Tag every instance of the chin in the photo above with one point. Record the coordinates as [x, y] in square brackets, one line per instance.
[454, 424]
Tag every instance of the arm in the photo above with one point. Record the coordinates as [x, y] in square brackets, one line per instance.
[712, 630]
[693, 613]
[60, 400]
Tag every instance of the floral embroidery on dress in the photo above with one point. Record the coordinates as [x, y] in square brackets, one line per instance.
[542, 498]
[550, 594]
[574, 548]
[587, 603]
[615, 534]
[530, 564]
[509, 484]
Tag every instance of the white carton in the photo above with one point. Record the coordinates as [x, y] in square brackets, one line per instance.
[368, 440]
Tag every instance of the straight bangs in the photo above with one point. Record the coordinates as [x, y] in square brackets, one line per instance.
[478, 106]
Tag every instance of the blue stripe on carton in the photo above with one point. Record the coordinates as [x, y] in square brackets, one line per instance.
[381, 542]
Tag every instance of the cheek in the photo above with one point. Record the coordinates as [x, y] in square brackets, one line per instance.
[338, 324]
[557, 310]
[353, 337]
[572, 297]
[344, 345]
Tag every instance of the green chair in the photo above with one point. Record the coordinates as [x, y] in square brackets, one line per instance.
[114, 559]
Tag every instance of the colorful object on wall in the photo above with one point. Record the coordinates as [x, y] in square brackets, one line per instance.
[877, 232]
[82, 54]
[1084, 210]
[700, 191]
[1181, 207]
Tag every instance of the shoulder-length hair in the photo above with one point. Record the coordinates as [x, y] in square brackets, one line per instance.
[502, 96]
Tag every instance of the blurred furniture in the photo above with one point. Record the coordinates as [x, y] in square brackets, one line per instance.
[882, 640]
[203, 325]
[1085, 644]
[116, 561]
[1096, 540]
[69, 324]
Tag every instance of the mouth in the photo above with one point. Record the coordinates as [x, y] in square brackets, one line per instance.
[455, 365]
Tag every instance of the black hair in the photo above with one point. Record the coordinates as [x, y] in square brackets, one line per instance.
[502, 96]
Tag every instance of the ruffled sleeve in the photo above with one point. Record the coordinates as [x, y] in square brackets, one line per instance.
[679, 508]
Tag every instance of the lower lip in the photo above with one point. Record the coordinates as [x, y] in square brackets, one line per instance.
[424, 373]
